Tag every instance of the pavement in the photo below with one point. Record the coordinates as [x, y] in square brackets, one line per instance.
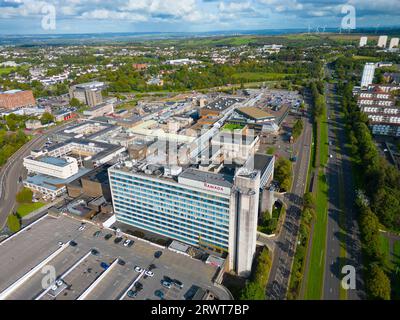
[341, 195]
[285, 244]
[12, 170]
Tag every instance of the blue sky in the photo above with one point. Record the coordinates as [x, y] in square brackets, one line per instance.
[87, 16]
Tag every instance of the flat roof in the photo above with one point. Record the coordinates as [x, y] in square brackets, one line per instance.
[254, 113]
[223, 103]
[107, 147]
[232, 137]
[53, 183]
[262, 161]
[222, 180]
[59, 162]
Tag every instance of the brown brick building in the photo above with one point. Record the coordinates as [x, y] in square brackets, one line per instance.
[16, 99]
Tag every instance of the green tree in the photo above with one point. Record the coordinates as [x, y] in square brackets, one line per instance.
[283, 173]
[47, 118]
[378, 283]
[74, 102]
[253, 291]
[308, 200]
[297, 129]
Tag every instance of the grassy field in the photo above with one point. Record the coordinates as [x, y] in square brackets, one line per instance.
[317, 260]
[324, 146]
[372, 59]
[385, 249]
[315, 276]
[232, 127]
[260, 76]
[396, 270]
[27, 208]
[13, 223]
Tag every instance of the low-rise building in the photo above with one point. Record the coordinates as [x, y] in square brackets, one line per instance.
[99, 110]
[380, 107]
[13, 99]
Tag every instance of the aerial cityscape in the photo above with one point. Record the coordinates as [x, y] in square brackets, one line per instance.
[191, 161]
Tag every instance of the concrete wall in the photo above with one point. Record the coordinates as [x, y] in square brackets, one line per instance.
[246, 222]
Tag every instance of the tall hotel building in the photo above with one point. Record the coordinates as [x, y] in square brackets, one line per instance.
[214, 211]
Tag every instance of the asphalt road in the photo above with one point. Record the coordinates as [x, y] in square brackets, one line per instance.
[341, 195]
[285, 245]
[12, 170]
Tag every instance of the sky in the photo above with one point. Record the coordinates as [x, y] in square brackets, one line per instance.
[97, 16]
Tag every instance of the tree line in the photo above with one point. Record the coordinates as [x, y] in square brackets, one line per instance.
[380, 200]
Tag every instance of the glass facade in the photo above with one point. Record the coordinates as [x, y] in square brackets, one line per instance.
[171, 209]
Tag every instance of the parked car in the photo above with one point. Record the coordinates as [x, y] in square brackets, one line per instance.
[166, 284]
[104, 265]
[108, 236]
[95, 252]
[159, 293]
[82, 227]
[117, 240]
[177, 283]
[60, 243]
[97, 234]
[158, 254]
[138, 269]
[152, 267]
[73, 243]
[138, 286]
[127, 242]
[121, 262]
[132, 294]
[149, 273]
